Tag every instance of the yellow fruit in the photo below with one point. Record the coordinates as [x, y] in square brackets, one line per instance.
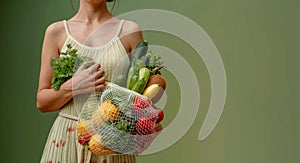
[109, 111]
[97, 119]
[97, 148]
[151, 91]
[84, 128]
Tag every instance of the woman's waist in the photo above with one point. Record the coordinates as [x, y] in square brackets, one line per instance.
[73, 108]
[69, 111]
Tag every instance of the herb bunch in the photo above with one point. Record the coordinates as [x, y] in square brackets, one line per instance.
[65, 66]
[155, 62]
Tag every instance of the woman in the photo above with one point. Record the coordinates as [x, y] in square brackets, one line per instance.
[118, 39]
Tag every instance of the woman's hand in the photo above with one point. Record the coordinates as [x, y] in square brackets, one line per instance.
[86, 80]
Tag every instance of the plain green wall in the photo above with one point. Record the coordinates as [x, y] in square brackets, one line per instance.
[258, 41]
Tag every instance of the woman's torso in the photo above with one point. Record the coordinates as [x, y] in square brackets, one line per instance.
[108, 56]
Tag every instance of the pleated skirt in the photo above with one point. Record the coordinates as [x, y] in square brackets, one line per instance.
[62, 145]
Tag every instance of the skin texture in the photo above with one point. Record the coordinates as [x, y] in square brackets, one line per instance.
[91, 14]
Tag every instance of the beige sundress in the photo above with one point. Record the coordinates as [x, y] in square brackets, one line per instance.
[62, 145]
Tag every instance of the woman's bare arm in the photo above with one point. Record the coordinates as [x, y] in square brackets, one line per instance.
[84, 80]
[49, 100]
[131, 35]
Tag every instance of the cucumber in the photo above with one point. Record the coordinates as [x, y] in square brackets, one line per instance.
[141, 49]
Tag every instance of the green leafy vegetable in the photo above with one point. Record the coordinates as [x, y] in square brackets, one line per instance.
[144, 63]
[155, 59]
[155, 62]
[65, 66]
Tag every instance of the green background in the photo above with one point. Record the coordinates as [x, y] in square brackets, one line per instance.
[258, 42]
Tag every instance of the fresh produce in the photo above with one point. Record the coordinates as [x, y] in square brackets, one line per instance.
[144, 126]
[136, 64]
[158, 96]
[142, 80]
[160, 115]
[139, 104]
[141, 49]
[84, 131]
[151, 91]
[65, 66]
[155, 65]
[97, 120]
[155, 62]
[96, 146]
[109, 111]
[145, 65]
[145, 59]
[133, 73]
[158, 128]
[157, 79]
[126, 120]
[127, 125]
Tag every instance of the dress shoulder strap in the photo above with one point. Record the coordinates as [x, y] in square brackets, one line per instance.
[66, 27]
[120, 28]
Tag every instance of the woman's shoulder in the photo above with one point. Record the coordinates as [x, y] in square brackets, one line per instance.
[131, 34]
[55, 34]
[55, 28]
[130, 27]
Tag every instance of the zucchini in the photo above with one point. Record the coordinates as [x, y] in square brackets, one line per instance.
[143, 77]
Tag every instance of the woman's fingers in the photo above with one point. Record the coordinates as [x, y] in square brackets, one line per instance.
[93, 68]
[100, 87]
[99, 73]
[93, 84]
[89, 66]
[100, 81]
[89, 79]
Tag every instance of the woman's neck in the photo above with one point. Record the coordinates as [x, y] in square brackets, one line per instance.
[91, 13]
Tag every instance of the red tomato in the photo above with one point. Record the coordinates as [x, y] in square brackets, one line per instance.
[160, 115]
[144, 126]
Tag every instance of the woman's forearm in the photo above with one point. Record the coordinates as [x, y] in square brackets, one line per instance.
[50, 100]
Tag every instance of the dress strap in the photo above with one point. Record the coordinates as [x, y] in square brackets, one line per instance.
[120, 28]
[66, 27]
